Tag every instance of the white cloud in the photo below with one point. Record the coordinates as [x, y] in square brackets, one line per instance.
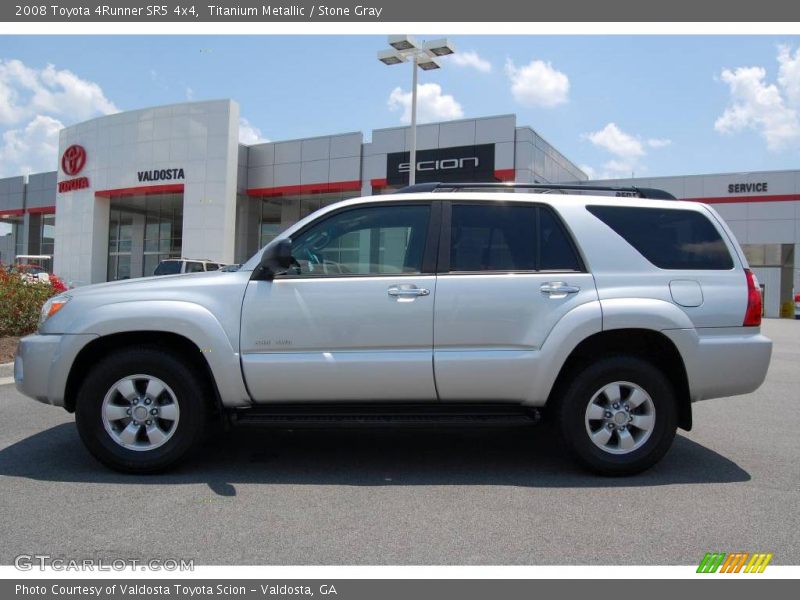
[619, 168]
[30, 148]
[249, 134]
[34, 105]
[432, 105]
[591, 172]
[26, 92]
[627, 151]
[659, 142]
[770, 109]
[789, 74]
[538, 84]
[617, 142]
[471, 59]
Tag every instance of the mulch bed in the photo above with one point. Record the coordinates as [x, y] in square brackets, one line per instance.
[8, 345]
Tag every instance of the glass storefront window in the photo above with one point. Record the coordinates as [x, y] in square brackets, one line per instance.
[270, 220]
[143, 230]
[11, 242]
[48, 234]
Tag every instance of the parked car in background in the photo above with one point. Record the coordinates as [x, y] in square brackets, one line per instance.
[797, 306]
[31, 267]
[231, 268]
[441, 305]
[174, 266]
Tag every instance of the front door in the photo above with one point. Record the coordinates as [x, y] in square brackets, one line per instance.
[352, 319]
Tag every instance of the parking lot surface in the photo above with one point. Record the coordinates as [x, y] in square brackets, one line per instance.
[416, 497]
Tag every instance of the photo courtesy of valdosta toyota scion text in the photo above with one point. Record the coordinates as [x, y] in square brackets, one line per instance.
[512, 303]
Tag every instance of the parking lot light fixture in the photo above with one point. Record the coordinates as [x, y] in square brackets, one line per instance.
[405, 48]
[440, 47]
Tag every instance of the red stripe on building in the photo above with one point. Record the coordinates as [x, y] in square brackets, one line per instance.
[172, 188]
[307, 188]
[42, 210]
[379, 183]
[739, 199]
[14, 212]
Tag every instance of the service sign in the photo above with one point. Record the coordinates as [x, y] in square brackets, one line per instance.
[748, 188]
[460, 163]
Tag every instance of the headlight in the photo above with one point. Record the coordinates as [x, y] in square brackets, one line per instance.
[52, 306]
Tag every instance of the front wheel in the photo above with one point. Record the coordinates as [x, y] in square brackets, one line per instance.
[141, 410]
[618, 416]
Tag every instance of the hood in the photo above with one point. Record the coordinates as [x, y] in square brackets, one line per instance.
[144, 284]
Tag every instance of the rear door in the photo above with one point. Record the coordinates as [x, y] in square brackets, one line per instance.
[507, 273]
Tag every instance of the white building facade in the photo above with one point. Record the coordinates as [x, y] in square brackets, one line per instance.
[134, 188]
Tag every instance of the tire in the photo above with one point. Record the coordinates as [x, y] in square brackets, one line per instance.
[637, 437]
[142, 410]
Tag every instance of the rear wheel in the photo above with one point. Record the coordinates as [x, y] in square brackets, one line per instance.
[618, 416]
[141, 410]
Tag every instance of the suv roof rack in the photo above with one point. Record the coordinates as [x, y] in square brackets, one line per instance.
[438, 186]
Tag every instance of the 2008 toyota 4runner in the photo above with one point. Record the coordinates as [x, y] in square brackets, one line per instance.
[448, 304]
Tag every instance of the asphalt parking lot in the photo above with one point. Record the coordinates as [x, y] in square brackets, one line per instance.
[416, 497]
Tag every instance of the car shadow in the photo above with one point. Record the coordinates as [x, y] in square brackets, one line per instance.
[522, 457]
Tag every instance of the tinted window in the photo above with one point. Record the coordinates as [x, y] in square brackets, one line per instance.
[557, 252]
[168, 267]
[493, 238]
[668, 238]
[212, 267]
[366, 241]
[194, 267]
[508, 238]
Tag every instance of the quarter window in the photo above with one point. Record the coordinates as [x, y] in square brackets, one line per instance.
[376, 240]
[508, 238]
[668, 238]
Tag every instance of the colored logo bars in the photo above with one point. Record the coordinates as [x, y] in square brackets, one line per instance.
[734, 563]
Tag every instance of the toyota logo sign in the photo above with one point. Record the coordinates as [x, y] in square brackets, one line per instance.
[73, 160]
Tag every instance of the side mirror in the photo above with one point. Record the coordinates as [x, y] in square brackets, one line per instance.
[276, 258]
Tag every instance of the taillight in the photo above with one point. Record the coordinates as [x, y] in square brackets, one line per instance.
[752, 318]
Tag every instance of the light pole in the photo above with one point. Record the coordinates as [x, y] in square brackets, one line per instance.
[404, 48]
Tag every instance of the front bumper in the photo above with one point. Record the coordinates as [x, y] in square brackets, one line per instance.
[42, 365]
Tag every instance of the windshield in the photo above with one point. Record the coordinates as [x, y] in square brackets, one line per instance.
[168, 267]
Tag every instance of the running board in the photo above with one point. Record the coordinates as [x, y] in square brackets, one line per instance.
[389, 415]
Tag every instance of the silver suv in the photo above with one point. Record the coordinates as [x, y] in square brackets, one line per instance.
[608, 310]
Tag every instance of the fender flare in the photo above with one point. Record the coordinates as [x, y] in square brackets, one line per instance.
[186, 319]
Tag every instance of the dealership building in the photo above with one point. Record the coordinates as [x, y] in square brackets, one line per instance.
[136, 187]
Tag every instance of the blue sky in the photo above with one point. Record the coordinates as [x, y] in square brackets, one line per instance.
[655, 105]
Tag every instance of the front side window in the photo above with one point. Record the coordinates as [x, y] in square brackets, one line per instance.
[377, 240]
[194, 267]
[508, 238]
[668, 238]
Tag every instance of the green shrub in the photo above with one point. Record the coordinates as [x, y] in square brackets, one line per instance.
[21, 301]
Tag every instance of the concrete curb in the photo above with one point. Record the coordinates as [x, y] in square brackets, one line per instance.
[6, 370]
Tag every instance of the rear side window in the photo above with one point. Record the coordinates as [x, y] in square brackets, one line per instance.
[194, 267]
[496, 237]
[668, 238]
